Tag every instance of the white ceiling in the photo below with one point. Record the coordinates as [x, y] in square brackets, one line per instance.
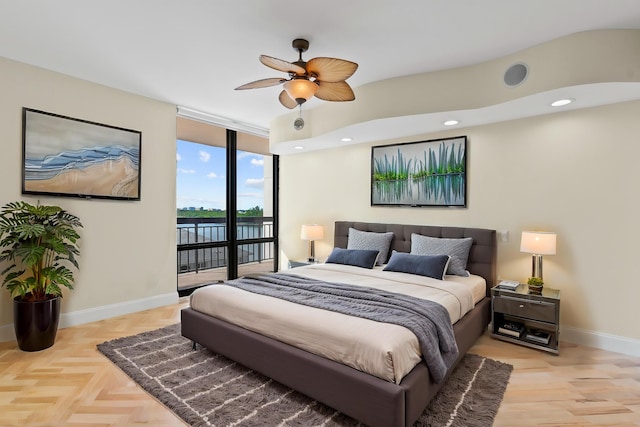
[193, 53]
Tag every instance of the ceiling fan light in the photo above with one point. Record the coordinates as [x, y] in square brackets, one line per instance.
[301, 90]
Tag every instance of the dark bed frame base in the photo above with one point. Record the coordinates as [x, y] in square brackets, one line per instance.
[364, 397]
[369, 399]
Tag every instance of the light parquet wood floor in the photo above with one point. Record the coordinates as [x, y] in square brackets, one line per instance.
[582, 386]
[72, 384]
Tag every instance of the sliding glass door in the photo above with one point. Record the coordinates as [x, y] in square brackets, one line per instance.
[255, 213]
[201, 200]
[227, 205]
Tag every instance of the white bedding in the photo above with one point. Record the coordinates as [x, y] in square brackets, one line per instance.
[385, 350]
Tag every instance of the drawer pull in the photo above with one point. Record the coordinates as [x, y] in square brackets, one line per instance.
[519, 301]
[521, 305]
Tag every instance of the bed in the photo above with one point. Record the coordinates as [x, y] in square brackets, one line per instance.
[368, 398]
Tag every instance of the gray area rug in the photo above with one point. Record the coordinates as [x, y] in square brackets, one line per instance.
[206, 389]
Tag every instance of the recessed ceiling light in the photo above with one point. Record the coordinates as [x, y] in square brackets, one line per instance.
[561, 102]
[451, 122]
[298, 147]
[346, 139]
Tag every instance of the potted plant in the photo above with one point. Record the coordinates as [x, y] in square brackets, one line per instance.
[39, 243]
[535, 285]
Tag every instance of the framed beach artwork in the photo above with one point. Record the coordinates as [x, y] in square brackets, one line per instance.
[421, 173]
[63, 156]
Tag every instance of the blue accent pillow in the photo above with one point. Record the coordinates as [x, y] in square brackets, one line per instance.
[433, 266]
[356, 257]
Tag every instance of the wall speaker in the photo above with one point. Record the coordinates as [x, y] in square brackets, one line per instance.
[516, 74]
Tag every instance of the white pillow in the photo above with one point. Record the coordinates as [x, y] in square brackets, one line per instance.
[457, 249]
[380, 242]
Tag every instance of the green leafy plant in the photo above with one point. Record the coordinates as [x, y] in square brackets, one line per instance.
[40, 244]
[535, 281]
[445, 162]
[396, 169]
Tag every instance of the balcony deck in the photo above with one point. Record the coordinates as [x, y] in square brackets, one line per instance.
[194, 279]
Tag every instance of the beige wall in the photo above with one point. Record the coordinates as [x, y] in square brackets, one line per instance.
[128, 252]
[574, 173]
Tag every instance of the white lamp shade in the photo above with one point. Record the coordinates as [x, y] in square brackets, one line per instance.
[300, 89]
[538, 242]
[312, 232]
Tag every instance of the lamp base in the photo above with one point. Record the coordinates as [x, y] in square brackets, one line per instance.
[536, 266]
[312, 251]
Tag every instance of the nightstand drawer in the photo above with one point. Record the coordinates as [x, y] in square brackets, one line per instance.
[536, 310]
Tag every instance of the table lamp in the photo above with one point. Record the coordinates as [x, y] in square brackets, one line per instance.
[538, 243]
[312, 233]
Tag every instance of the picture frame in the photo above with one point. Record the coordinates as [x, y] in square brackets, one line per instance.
[430, 173]
[69, 157]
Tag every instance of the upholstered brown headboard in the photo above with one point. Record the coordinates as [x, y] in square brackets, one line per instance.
[482, 256]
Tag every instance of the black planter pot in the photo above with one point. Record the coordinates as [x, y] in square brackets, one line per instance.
[36, 323]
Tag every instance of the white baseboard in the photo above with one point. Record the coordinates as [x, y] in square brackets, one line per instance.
[600, 340]
[584, 337]
[100, 313]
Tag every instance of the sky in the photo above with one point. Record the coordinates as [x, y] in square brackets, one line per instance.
[201, 177]
[52, 134]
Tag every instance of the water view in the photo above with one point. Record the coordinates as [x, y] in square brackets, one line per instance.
[210, 230]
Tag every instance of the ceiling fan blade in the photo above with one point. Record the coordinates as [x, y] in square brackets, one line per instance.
[262, 83]
[331, 69]
[286, 100]
[334, 91]
[280, 65]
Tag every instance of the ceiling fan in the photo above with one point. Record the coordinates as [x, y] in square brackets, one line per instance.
[322, 77]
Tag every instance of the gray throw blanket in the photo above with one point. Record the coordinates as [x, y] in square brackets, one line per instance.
[428, 320]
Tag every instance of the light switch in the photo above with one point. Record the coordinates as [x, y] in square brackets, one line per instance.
[504, 235]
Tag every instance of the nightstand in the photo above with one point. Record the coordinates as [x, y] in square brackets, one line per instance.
[300, 263]
[534, 318]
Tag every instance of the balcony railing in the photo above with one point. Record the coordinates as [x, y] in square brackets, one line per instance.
[203, 242]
